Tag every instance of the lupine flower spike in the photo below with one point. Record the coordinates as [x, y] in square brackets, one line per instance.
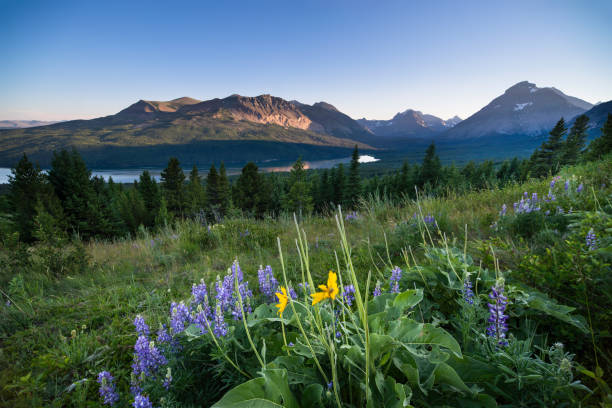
[396, 276]
[468, 293]
[591, 240]
[497, 319]
[107, 388]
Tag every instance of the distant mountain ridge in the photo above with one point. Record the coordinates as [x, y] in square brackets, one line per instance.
[410, 123]
[523, 109]
[20, 124]
[261, 128]
[313, 130]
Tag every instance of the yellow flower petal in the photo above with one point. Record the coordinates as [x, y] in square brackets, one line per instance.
[319, 296]
[332, 285]
[283, 299]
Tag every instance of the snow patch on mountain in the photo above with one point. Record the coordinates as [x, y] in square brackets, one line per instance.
[521, 106]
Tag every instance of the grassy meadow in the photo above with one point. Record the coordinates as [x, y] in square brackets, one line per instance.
[59, 330]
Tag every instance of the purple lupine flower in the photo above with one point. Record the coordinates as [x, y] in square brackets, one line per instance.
[396, 276]
[199, 293]
[579, 189]
[303, 287]
[162, 335]
[147, 357]
[377, 290]
[236, 270]
[135, 388]
[202, 319]
[141, 327]
[591, 240]
[268, 285]
[567, 185]
[291, 344]
[552, 183]
[179, 317]
[429, 219]
[351, 216]
[167, 379]
[292, 293]
[330, 385]
[108, 392]
[468, 293]
[142, 401]
[503, 210]
[348, 294]
[497, 319]
[559, 210]
[152, 243]
[223, 294]
[547, 212]
[220, 329]
[246, 295]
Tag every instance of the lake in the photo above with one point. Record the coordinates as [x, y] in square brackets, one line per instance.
[130, 175]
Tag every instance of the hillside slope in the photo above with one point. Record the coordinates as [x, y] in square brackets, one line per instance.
[234, 128]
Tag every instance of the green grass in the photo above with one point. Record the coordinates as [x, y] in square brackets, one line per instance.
[59, 332]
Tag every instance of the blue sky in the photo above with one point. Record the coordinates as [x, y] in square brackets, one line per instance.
[83, 59]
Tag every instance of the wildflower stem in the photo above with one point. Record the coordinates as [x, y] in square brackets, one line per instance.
[246, 327]
[299, 322]
[284, 337]
[229, 360]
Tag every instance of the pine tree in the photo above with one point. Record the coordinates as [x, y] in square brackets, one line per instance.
[547, 158]
[298, 199]
[405, 179]
[163, 217]
[224, 190]
[248, 188]
[353, 186]
[173, 180]
[151, 196]
[603, 144]
[133, 210]
[430, 171]
[212, 190]
[576, 140]
[27, 186]
[324, 191]
[195, 191]
[71, 181]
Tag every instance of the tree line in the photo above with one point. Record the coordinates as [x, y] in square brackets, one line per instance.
[69, 200]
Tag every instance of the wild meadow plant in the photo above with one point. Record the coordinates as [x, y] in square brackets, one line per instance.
[347, 342]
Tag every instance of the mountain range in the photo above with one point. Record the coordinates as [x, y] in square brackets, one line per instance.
[18, 124]
[239, 128]
[410, 123]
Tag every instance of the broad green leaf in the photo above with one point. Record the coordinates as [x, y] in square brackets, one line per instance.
[445, 374]
[542, 303]
[410, 332]
[250, 394]
[408, 299]
[277, 383]
[297, 372]
[269, 391]
[311, 397]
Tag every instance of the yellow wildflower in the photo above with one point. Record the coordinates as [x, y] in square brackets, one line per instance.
[327, 291]
[282, 300]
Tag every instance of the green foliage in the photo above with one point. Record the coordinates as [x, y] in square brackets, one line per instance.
[576, 140]
[298, 199]
[173, 180]
[547, 159]
[602, 146]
